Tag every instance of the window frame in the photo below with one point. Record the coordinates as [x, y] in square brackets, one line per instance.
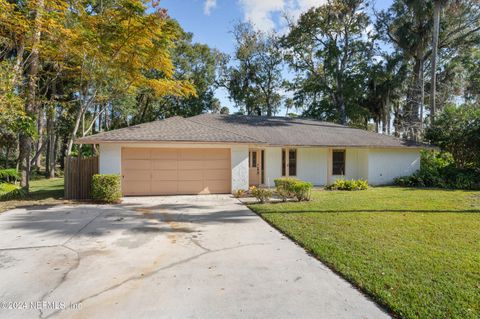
[344, 152]
[286, 162]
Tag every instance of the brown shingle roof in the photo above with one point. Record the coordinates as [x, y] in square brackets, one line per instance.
[249, 129]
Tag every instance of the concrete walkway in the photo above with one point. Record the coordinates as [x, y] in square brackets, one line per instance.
[163, 257]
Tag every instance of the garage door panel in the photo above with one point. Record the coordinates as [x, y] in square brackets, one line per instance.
[164, 164]
[217, 154]
[161, 171]
[190, 187]
[217, 187]
[136, 164]
[164, 187]
[192, 154]
[217, 164]
[164, 175]
[164, 154]
[196, 164]
[135, 153]
[190, 175]
[217, 174]
[136, 188]
[137, 175]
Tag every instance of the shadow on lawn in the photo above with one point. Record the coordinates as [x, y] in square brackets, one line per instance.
[475, 211]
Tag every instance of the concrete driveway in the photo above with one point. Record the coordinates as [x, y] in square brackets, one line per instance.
[163, 257]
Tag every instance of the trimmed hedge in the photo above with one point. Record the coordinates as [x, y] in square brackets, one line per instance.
[106, 188]
[293, 188]
[348, 185]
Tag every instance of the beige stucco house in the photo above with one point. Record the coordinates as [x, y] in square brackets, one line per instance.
[212, 153]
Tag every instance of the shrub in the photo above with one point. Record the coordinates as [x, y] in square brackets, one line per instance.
[106, 188]
[9, 175]
[239, 193]
[11, 192]
[439, 170]
[302, 190]
[348, 185]
[284, 187]
[262, 194]
[293, 188]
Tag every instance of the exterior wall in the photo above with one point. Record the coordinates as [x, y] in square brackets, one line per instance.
[362, 162]
[110, 159]
[273, 165]
[239, 167]
[386, 164]
[312, 165]
[356, 164]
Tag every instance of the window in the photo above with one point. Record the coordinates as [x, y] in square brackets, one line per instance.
[338, 162]
[289, 164]
[262, 166]
[292, 162]
[254, 159]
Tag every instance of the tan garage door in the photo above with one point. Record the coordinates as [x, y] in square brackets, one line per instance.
[166, 171]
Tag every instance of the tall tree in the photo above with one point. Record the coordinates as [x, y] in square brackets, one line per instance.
[437, 8]
[120, 49]
[256, 79]
[327, 48]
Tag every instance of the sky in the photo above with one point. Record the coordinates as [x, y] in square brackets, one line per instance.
[211, 21]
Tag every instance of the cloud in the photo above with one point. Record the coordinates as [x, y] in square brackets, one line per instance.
[261, 12]
[208, 6]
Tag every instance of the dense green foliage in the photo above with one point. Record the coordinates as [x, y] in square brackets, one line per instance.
[106, 188]
[293, 188]
[10, 192]
[438, 169]
[9, 175]
[413, 250]
[457, 131]
[348, 185]
[254, 83]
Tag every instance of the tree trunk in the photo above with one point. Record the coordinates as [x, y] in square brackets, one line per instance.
[24, 139]
[39, 144]
[51, 142]
[342, 110]
[7, 155]
[436, 28]
[18, 69]
[422, 95]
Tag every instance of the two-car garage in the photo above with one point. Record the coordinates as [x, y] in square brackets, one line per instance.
[168, 171]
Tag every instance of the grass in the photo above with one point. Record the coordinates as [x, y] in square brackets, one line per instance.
[42, 192]
[415, 251]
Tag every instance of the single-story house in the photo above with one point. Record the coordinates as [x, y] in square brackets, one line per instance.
[212, 153]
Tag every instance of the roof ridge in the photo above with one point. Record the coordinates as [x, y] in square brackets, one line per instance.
[217, 128]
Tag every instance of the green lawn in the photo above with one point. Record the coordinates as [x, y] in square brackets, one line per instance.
[42, 192]
[416, 251]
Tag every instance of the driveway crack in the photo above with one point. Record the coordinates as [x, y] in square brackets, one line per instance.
[83, 227]
[74, 266]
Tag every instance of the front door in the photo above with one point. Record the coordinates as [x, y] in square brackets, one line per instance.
[254, 167]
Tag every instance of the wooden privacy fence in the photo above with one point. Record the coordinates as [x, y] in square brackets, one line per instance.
[78, 176]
